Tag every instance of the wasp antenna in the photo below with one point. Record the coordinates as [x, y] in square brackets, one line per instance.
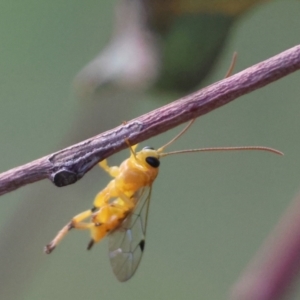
[131, 148]
[244, 148]
[232, 65]
[161, 149]
[229, 72]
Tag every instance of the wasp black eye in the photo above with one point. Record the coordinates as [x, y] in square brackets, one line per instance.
[153, 161]
[148, 148]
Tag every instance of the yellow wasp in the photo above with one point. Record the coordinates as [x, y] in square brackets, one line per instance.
[120, 210]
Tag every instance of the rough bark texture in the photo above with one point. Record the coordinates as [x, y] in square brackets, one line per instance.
[68, 165]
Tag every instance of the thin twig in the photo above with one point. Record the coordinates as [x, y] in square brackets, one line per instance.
[70, 164]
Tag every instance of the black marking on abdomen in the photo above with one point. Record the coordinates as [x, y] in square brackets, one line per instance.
[90, 244]
[142, 245]
[94, 209]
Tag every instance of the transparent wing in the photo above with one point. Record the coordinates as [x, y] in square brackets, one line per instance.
[127, 243]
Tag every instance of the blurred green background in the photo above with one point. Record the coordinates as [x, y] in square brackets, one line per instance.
[209, 213]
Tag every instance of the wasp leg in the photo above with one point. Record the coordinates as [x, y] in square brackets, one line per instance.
[112, 171]
[127, 200]
[108, 218]
[104, 220]
[131, 148]
[111, 192]
[76, 222]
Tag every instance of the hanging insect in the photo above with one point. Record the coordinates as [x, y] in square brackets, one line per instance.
[120, 210]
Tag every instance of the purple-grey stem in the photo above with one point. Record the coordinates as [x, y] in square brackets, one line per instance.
[70, 164]
[270, 273]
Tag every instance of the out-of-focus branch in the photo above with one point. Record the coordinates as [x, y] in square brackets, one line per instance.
[271, 272]
[68, 165]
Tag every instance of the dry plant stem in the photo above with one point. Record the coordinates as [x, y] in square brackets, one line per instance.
[270, 274]
[68, 165]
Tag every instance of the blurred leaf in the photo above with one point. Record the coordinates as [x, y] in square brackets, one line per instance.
[190, 49]
[169, 44]
[163, 11]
